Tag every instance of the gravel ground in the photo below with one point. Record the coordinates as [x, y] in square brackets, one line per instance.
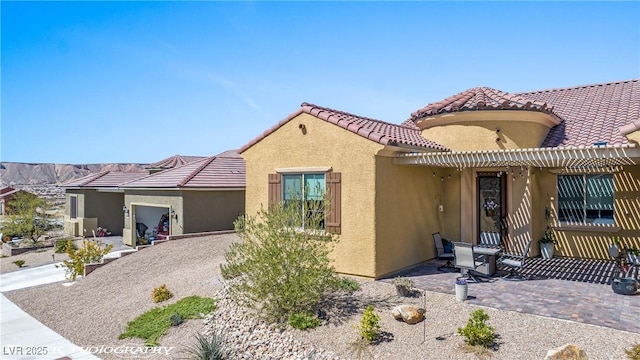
[32, 258]
[96, 309]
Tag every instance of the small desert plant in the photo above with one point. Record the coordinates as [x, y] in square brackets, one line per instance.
[90, 252]
[634, 352]
[303, 321]
[161, 293]
[176, 319]
[19, 263]
[206, 348]
[360, 348]
[477, 332]
[347, 285]
[403, 281]
[61, 246]
[369, 325]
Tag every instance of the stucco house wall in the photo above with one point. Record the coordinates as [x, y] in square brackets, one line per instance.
[324, 145]
[211, 210]
[407, 214]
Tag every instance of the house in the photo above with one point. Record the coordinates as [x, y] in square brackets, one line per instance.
[200, 196]
[95, 200]
[6, 195]
[481, 165]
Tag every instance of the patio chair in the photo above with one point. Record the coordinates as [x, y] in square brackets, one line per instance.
[466, 260]
[442, 255]
[515, 262]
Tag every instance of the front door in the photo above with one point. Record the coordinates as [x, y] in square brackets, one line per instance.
[491, 204]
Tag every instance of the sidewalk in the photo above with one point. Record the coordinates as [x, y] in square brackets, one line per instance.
[21, 336]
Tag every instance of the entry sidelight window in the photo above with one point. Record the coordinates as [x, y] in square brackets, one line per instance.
[586, 198]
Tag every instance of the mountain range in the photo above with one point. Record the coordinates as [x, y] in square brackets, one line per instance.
[16, 174]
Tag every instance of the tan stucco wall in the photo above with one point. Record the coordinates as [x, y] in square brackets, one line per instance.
[171, 199]
[593, 241]
[79, 204]
[211, 210]
[107, 208]
[407, 214]
[477, 130]
[324, 144]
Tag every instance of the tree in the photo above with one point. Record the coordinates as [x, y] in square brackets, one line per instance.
[279, 268]
[28, 217]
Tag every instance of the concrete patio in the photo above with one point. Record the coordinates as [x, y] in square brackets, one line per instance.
[562, 288]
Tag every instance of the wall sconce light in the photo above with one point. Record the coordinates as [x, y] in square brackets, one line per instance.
[174, 215]
[125, 210]
[303, 128]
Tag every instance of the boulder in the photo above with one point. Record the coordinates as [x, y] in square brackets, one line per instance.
[407, 313]
[566, 352]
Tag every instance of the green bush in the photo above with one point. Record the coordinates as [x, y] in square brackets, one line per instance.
[161, 293]
[155, 322]
[90, 252]
[477, 332]
[279, 268]
[19, 263]
[634, 352]
[176, 319]
[27, 217]
[347, 285]
[206, 348]
[62, 244]
[370, 325]
[303, 321]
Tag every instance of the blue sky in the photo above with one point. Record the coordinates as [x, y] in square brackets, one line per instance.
[92, 82]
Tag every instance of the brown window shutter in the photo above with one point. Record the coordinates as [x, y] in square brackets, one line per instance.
[334, 185]
[275, 189]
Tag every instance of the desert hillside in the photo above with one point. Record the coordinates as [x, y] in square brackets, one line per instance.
[42, 179]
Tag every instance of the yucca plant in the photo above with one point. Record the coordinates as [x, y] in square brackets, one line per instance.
[206, 348]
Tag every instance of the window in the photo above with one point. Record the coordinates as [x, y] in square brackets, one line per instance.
[586, 199]
[306, 193]
[330, 181]
[73, 208]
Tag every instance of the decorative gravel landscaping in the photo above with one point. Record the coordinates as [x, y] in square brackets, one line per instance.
[95, 310]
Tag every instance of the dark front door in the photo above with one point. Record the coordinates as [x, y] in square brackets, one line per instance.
[491, 208]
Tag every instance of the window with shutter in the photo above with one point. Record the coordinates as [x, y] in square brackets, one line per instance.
[305, 191]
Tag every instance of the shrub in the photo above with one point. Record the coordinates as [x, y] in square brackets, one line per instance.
[206, 348]
[90, 252]
[347, 285]
[62, 244]
[154, 323]
[176, 319]
[369, 325]
[27, 217]
[634, 352]
[279, 268]
[360, 348]
[161, 293]
[303, 321]
[19, 263]
[401, 281]
[477, 332]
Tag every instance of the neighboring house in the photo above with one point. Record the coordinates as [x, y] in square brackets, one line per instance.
[200, 196]
[171, 162]
[6, 195]
[482, 165]
[96, 201]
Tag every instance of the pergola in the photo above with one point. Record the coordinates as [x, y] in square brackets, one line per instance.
[582, 157]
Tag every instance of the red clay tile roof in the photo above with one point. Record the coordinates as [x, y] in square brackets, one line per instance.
[104, 179]
[481, 98]
[592, 113]
[173, 161]
[379, 131]
[225, 170]
[589, 114]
